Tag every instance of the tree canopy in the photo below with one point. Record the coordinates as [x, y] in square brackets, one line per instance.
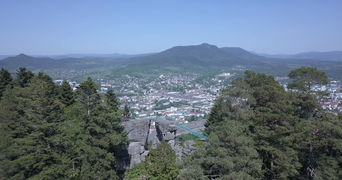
[45, 134]
[293, 137]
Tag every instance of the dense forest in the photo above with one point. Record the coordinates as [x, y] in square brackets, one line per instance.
[51, 132]
[256, 130]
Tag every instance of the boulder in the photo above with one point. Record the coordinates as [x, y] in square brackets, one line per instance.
[137, 133]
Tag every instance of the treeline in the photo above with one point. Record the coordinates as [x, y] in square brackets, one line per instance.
[50, 132]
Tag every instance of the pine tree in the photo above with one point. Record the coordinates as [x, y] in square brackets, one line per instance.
[5, 80]
[31, 118]
[233, 103]
[273, 127]
[259, 102]
[23, 77]
[45, 140]
[96, 133]
[230, 154]
[320, 146]
[112, 100]
[87, 95]
[305, 78]
[65, 94]
[161, 163]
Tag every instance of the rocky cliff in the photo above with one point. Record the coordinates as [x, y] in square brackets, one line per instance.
[141, 135]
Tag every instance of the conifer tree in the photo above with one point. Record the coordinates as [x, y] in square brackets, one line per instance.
[45, 140]
[230, 154]
[65, 93]
[97, 134]
[161, 163]
[260, 103]
[5, 80]
[233, 103]
[23, 77]
[305, 78]
[319, 146]
[87, 95]
[112, 100]
[31, 118]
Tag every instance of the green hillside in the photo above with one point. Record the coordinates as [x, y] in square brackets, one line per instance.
[201, 55]
[33, 63]
[243, 54]
[201, 59]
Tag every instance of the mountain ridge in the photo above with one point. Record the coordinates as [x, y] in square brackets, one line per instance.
[327, 56]
[203, 55]
[195, 58]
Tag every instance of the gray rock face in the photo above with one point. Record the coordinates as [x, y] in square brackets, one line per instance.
[139, 135]
[188, 147]
[166, 130]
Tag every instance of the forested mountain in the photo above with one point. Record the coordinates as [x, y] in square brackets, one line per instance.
[114, 55]
[327, 56]
[201, 59]
[243, 54]
[201, 55]
[34, 63]
[23, 60]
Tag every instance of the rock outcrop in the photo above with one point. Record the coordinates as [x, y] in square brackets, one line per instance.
[137, 133]
[140, 136]
[166, 130]
[188, 148]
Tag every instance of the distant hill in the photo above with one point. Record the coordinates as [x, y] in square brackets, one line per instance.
[199, 59]
[64, 56]
[202, 59]
[34, 63]
[114, 55]
[326, 56]
[331, 55]
[205, 55]
[243, 54]
[23, 60]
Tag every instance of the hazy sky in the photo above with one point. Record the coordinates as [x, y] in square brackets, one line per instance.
[51, 27]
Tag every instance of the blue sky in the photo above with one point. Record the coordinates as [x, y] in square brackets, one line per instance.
[51, 27]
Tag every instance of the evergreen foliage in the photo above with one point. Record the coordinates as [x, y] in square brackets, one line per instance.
[229, 154]
[23, 77]
[87, 95]
[65, 93]
[161, 163]
[292, 135]
[112, 100]
[5, 80]
[43, 138]
[305, 78]
[256, 130]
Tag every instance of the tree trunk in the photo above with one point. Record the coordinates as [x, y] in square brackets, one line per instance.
[309, 167]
